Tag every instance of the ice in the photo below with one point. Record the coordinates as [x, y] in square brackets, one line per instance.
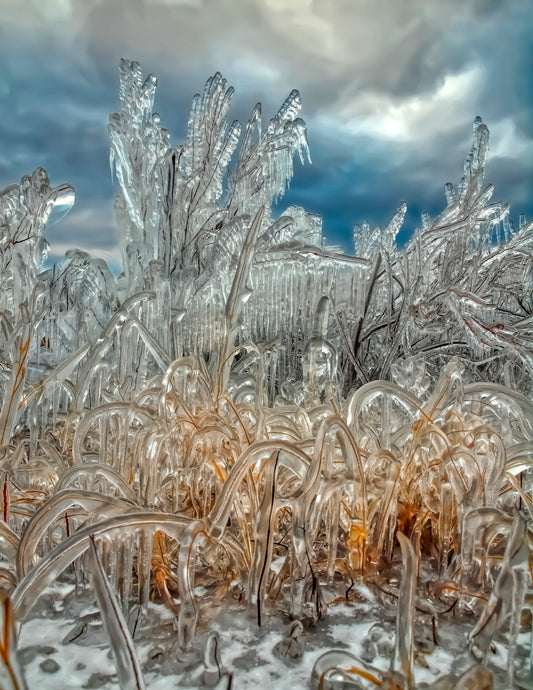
[252, 445]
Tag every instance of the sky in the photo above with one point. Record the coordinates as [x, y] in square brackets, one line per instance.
[390, 89]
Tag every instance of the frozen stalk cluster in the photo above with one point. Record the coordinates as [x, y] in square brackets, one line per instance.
[248, 418]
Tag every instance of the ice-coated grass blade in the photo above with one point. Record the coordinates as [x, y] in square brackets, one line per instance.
[126, 658]
[403, 650]
[237, 298]
[11, 677]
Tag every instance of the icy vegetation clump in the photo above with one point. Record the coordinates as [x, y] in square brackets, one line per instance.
[248, 420]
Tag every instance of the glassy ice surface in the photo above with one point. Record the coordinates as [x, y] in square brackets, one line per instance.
[254, 457]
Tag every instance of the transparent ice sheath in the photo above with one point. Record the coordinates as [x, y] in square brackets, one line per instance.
[249, 419]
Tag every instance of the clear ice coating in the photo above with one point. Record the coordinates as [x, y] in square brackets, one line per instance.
[250, 420]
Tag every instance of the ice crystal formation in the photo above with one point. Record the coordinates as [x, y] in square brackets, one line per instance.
[248, 420]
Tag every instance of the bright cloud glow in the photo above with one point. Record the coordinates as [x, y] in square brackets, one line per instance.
[420, 116]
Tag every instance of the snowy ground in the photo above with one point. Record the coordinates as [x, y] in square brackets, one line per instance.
[63, 646]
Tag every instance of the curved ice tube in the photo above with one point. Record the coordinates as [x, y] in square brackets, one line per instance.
[339, 666]
[43, 574]
[290, 456]
[55, 507]
[93, 469]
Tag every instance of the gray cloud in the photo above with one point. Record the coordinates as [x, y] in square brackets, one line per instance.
[390, 90]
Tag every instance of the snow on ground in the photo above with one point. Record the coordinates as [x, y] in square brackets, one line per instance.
[63, 646]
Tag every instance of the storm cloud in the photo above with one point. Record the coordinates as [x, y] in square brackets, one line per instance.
[390, 90]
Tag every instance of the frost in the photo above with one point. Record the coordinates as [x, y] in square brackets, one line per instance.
[247, 418]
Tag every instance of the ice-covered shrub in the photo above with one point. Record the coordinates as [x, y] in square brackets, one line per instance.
[248, 411]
